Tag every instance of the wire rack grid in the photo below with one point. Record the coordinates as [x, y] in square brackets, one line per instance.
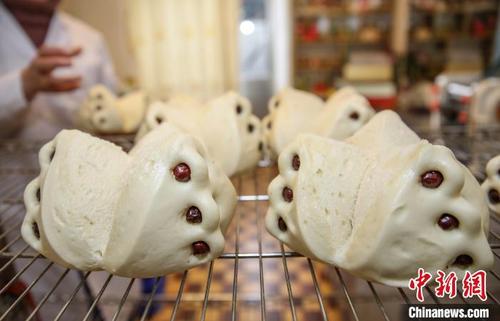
[256, 278]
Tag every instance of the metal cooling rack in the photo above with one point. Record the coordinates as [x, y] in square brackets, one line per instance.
[354, 298]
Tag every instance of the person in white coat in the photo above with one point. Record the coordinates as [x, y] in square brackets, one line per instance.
[48, 61]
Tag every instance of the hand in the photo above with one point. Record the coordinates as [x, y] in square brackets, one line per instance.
[37, 77]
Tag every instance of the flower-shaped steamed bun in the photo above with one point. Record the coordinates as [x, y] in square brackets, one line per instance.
[102, 112]
[225, 125]
[171, 218]
[485, 102]
[69, 205]
[492, 184]
[184, 115]
[381, 204]
[266, 126]
[341, 94]
[293, 112]
[253, 145]
[98, 113]
[344, 113]
[290, 113]
[163, 207]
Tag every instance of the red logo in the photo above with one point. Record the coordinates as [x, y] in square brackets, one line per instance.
[473, 284]
[419, 282]
[447, 284]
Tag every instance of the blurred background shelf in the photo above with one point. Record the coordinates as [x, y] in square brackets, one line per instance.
[454, 38]
[328, 33]
[337, 11]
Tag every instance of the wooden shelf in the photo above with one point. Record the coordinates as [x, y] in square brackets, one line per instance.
[447, 37]
[453, 10]
[336, 12]
[315, 71]
[339, 42]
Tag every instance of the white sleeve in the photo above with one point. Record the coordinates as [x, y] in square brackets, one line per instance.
[11, 91]
[107, 71]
